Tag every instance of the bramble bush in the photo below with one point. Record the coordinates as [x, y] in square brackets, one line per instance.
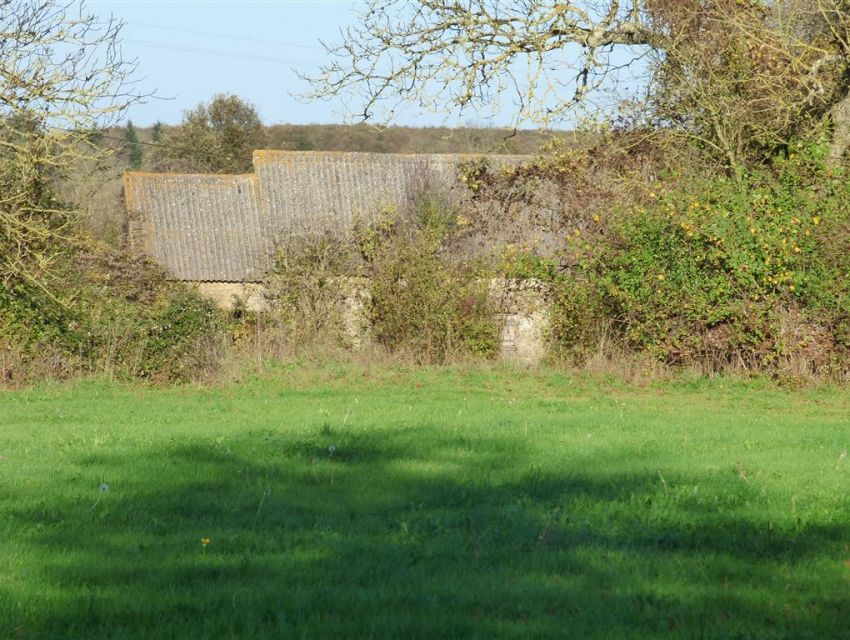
[750, 271]
[112, 314]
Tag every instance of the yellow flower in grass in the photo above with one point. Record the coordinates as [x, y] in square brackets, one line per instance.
[816, 220]
[205, 542]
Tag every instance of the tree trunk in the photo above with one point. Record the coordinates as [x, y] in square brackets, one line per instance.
[840, 142]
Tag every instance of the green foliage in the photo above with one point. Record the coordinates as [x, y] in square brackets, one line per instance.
[131, 137]
[116, 315]
[435, 216]
[30, 317]
[475, 174]
[308, 288]
[580, 320]
[422, 303]
[525, 265]
[749, 271]
[218, 137]
[167, 339]
[370, 237]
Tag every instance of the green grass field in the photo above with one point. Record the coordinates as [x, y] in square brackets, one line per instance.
[425, 504]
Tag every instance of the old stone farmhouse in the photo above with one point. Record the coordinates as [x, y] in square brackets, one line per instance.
[221, 231]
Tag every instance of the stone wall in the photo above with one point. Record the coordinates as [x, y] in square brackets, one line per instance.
[522, 307]
[226, 295]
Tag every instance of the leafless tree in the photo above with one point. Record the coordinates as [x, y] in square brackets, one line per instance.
[62, 80]
[703, 57]
[445, 55]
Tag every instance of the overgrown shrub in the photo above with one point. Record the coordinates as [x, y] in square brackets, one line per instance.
[312, 280]
[390, 282]
[421, 302]
[749, 271]
[110, 314]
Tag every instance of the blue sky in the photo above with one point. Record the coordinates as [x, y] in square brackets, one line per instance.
[189, 50]
[249, 48]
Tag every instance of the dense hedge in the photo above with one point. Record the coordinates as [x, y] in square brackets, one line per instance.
[750, 271]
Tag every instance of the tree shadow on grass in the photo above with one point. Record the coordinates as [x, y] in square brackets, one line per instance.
[371, 540]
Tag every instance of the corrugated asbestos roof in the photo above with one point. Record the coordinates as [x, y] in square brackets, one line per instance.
[199, 227]
[224, 228]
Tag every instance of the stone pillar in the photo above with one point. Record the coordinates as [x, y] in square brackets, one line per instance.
[355, 312]
[523, 309]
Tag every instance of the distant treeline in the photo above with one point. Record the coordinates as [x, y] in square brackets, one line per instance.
[220, 136]
[369, 138]
[362, 137]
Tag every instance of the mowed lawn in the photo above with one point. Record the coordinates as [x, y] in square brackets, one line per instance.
[425, 504]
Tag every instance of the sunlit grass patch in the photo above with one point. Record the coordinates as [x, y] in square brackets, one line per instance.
[424, 504]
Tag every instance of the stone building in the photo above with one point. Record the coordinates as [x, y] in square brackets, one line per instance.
[220, 232]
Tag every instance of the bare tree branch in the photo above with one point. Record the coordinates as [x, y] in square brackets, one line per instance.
[742, 76]
[447, 56]
[62, 79]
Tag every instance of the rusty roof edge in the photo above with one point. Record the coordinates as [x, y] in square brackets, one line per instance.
[262, 154]
[165, 174]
